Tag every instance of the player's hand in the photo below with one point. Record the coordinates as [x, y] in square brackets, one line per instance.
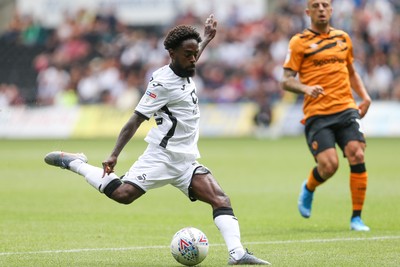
[108, 165]
[315, 91]
[210, 27]
[363, 107]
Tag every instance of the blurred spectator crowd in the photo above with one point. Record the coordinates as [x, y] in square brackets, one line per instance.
[94, 58]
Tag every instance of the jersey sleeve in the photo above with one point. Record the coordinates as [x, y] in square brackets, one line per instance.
[294, 56]
[155, 97]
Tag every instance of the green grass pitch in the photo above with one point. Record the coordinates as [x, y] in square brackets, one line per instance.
[52, 217]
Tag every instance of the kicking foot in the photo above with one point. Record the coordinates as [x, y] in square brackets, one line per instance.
[305, 201]
[63, 159]
[248, 259]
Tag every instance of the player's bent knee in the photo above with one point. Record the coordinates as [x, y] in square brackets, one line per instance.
[327, 168]
[356, 156]
[205, 188]
[355, 152]
[126, 194]
[329, 171]
[359, 156]
[112, 186]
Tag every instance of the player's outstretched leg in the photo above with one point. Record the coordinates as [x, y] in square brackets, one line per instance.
[77, 163]
[248, 259]
[305, 201]
[63, 159]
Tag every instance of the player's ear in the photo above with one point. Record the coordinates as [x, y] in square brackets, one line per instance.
[171, 52]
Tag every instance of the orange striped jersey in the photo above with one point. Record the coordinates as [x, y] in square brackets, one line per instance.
[322, 59]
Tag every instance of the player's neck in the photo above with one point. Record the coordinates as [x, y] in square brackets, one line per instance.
[322, 29]
[180, 71]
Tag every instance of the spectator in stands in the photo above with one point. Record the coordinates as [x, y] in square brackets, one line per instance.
[32, 33]
[87, 35]
[110, 78]
[51, 81]
[380, 77]
[396, 90]
[10, 95]
[131, 93]
[12, 34]
[88, 87]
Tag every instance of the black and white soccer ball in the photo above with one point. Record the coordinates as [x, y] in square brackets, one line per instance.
[189, 246]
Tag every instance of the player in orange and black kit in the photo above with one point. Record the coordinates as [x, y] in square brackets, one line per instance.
[323, 58]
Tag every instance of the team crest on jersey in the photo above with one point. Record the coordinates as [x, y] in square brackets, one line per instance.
[141, 177]
[314, 145]
[340, 43]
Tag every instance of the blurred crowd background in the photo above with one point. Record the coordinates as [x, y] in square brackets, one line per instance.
[92, 57]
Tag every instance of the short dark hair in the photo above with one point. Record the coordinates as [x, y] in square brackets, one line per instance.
[179, 34]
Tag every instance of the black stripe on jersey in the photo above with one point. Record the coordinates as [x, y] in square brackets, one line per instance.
[321, 49]
[310, 34]
[171, 131]
[337, 36]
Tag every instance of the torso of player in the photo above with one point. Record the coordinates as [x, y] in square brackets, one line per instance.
[322, 59]
[173, 102]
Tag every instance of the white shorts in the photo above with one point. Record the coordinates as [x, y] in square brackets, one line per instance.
[157, 167]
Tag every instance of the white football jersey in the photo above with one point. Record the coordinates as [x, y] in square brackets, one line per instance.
[174, 103]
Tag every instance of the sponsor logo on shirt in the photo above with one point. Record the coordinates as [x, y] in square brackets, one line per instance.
[332, 60]
[152, 95]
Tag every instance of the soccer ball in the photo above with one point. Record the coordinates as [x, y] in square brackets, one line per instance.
[189, 246]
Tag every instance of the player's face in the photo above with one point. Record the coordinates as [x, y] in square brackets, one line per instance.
[319, 11]
[184, 58]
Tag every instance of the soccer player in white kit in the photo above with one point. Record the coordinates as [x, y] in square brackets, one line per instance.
[172, 152]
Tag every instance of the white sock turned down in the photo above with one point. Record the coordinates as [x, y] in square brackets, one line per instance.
[92, 174]
[228, 225]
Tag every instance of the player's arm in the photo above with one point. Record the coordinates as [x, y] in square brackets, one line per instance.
[210, 30]
[358, 86]
[124, 136]
[292, 84]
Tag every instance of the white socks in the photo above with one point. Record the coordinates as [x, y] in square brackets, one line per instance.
[92, 174]
[228, 225]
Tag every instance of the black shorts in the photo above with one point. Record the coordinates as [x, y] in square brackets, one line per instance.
[325, 131]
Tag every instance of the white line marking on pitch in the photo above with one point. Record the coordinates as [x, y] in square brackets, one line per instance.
[162, 247]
